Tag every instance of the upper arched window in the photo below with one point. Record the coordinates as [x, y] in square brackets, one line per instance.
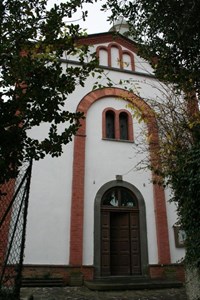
[119, 197]
[117, 125]
[114, 56]
[123, 125]
[110, 125]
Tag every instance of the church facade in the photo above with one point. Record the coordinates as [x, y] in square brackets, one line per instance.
[93, 209]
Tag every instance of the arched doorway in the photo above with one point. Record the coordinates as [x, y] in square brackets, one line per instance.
[120, 241]
[120, 233]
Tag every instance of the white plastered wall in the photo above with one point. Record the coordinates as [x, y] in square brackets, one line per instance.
[48, 226]
[141, 65]
[106, 159]
[48, 230]
[177, 254]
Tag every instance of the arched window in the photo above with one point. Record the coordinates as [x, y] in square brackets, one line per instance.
[110, 125]
[117, 125]
[123, 125]
[119, 197]
[113, 56]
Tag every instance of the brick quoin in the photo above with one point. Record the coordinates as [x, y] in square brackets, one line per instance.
[76, 233]
[159, 196]
[76, 239]
[161, 225]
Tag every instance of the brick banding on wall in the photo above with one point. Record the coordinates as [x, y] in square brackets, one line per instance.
[76, 238]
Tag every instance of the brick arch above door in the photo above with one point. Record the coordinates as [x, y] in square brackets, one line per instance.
[77, 207]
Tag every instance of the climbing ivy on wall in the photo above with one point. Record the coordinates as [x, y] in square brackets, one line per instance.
[185, 182]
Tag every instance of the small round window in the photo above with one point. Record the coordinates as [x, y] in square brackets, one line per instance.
[119, 197]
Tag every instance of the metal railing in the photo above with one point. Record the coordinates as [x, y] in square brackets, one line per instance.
[14, 196]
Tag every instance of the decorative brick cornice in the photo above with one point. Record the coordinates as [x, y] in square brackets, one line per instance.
[109, 37]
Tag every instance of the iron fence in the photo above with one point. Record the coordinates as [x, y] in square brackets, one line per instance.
[14, 197]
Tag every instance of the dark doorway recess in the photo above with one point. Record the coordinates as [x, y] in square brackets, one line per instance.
[120, 233]
[120, 251]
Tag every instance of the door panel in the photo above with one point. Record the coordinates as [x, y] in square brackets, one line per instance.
[105, 243]
[135, 243]
[120, 243]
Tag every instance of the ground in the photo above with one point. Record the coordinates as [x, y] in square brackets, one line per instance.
[83, 293]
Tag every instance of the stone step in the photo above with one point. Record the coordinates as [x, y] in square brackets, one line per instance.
[42, 282]
[130, 283]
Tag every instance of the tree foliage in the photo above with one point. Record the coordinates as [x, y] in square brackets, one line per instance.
[169, 31]
[184, 179]
[168, 35]
[33, 86]
[179, 168]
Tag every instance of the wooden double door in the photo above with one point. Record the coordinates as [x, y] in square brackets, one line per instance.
[120, 243]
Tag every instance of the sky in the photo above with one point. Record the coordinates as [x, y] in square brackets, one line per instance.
[96, 21]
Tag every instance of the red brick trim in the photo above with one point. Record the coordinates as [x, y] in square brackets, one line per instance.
[121, 52]
[64, 271]
[77, 208]
[104, 120]
[76, 242]
[108, 37]
[104, 48]
[56, 271]
[114, 45]
[167, 271]
[130, 54]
